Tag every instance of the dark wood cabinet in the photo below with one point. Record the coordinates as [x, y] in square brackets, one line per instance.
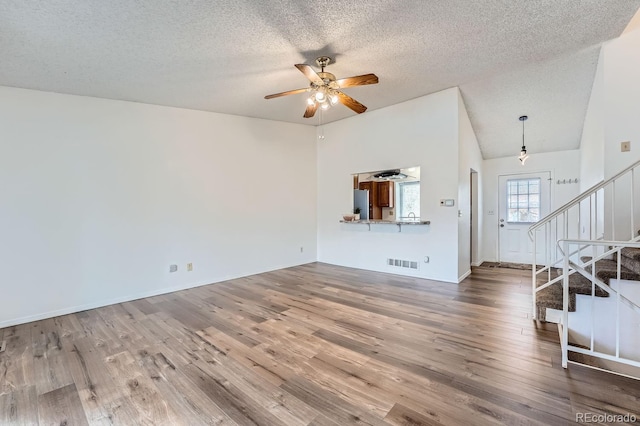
[375, 211]
[386, 194]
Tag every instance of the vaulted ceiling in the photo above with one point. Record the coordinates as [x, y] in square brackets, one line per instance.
[509, 58]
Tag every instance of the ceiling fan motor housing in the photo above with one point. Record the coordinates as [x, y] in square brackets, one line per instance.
[323, 61]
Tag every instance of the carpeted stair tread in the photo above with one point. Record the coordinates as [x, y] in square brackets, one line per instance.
[631, 258]
[579, 284]
[551, 297]
[631, 253]
[607, 269]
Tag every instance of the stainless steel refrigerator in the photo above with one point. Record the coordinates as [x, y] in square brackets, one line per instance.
[361, 199]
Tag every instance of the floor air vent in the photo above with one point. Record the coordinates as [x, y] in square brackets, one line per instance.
[402, 263]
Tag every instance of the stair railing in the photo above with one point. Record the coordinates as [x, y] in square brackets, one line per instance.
[599, 349]
[591, 216]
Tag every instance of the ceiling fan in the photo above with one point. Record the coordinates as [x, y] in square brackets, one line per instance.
[325, 89]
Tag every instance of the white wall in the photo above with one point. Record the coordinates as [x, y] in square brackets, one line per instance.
[621, 123]
[561, 164]
[612, 118]
[421, 132]
[469, 157]
[621, 101]
[98, 197]
[634, 24]
[592, 141]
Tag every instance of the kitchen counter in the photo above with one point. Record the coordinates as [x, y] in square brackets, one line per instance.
[399, 223]
[391, 222]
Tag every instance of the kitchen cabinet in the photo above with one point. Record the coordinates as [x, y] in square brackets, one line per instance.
[386, 194]
[375, 211]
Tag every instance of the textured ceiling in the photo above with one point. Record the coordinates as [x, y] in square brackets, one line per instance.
[553, 94]
[225, 56]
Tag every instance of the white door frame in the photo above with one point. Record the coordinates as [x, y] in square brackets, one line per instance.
[474, 218]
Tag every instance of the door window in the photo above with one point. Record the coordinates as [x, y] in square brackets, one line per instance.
[523, 200]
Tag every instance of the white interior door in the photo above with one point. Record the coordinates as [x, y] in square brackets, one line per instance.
[524, 199]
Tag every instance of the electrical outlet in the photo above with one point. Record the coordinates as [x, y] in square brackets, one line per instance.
[173, 268]
[625, 146]
[189, 267]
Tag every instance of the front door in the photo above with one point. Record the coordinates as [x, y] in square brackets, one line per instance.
[524, 199]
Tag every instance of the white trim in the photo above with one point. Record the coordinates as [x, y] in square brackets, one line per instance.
[463, 276]
[593, 367]
[607, 357]
[478, 263]
[553, 315]
[129, 298]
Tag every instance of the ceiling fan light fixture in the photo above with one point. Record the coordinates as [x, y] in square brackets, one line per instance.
[325, 105]
[320, 96]
[523, 151]
[311, 101]
[333, 99]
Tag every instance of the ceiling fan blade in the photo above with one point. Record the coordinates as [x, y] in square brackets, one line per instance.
[311, 110]
[358, 80]
[349, 102]
[310, 74]
[290, 92]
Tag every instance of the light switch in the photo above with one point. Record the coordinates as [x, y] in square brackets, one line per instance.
[447, 203]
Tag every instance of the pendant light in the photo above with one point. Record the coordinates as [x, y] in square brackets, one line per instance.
[523, 151]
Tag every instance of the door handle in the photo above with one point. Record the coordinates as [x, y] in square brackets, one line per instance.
[502, 225]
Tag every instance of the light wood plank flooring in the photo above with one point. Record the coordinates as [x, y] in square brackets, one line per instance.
[310, 345]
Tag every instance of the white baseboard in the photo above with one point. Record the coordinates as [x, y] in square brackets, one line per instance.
[463, 276]
[389, 270]
[93, 305]
[478, 263]
[128, 298]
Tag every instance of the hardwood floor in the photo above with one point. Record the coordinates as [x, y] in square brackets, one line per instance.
[311, 345]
